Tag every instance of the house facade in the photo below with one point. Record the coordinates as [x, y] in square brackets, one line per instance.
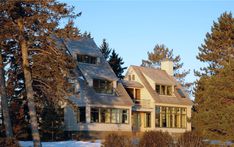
[147, 99]
[102, 102]
[160, 102]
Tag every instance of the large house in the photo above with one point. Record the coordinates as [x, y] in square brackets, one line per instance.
[160, 102]
[102, 102]
[147, 99]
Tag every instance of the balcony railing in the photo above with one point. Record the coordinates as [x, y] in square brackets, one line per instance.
[142, 103]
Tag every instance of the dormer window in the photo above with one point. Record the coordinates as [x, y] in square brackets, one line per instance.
[87, 59]
[131, 77]
[103, 86]
[163, 89]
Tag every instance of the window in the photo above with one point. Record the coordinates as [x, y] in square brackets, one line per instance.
[108, 115]
[170, 117]
[157, 89]
[163, 89]
[124, 116]
[103, 86]
[147, 120]
[137, 93]
[87, 59]
[133, 77]
[94, 114]
[105, 115]
[129, 78]
[81, 117]
[115, 116]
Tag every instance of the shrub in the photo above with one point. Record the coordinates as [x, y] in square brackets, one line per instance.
[190, 139]
[115, 140]
[156, 139]
[9, 142]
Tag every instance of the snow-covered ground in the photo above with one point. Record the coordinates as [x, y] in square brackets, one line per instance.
[97, 143]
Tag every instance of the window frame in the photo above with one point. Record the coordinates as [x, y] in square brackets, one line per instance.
[120, 115]
[170, 112]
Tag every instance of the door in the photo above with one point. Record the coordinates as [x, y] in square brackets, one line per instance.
[136, 121]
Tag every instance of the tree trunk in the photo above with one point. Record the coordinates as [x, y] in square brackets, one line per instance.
[4, 102]
[28, 86]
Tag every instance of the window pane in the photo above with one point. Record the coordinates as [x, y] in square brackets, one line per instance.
[86, 59]
[105, 115]
[133, 77]
[81, 117]
[137, 93]
[102, 86]
[157, 116]
[183, 121]
[94, 114]
[125, 116]
[169, 90]
[114, 115]
[147, 120]
[163, 88]
[157, 89]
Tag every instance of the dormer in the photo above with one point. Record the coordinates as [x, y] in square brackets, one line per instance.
[103, 86]
[167, 90]
[88, 59]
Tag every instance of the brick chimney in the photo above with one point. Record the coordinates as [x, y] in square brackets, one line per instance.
[167, 65]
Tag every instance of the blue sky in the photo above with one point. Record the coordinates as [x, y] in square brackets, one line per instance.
[134, 27]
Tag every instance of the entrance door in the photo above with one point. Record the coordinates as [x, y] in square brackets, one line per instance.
[136, 121]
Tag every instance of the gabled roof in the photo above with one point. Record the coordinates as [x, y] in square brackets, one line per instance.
[159, 75]
[132, 84]
[97, 71]
[101, 70]
[83, 46]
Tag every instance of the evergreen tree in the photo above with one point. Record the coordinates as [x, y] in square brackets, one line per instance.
[116, 64]
[161, 52]
[218, 49]
[30, 24]
[105, 49]
[214, 97]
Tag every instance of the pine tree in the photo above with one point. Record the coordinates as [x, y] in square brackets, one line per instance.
[31, 25]
[116, 64]
[161, 52]
[104, 48]
[218, 49]
[214, 97]
[4, 101]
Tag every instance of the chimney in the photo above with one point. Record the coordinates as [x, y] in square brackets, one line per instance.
[167, 65]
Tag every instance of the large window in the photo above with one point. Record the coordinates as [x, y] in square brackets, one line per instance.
[103, 86]
[163, 89]
[108, 115]
[170, 117]
[81, 117]
[87, 59]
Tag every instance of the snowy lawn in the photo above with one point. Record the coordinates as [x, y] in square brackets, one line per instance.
[97, 143]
